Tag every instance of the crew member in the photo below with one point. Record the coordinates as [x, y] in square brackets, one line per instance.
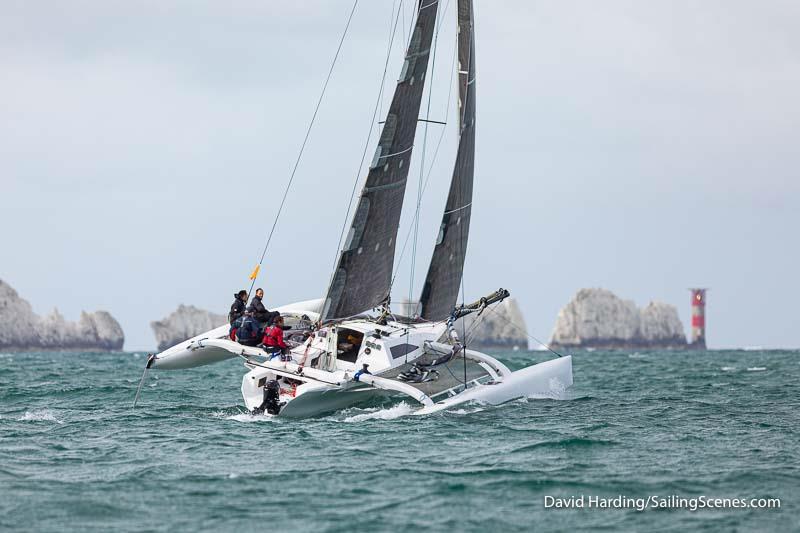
[273, 339]
[238, 306]
[249, 332]
[261, 313]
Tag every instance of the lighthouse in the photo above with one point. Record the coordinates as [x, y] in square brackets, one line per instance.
[698, 319]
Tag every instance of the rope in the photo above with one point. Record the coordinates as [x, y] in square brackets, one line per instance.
[474, 326]
[305, 141]
[447, 366]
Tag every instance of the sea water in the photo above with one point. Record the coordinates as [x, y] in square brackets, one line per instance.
[74, 456]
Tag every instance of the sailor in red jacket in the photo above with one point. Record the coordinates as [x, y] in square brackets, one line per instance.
[273, 338]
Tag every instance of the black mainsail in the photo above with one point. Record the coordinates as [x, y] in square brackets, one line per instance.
[440, 292]
[363, 275]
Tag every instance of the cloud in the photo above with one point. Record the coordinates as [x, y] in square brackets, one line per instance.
[644, 147]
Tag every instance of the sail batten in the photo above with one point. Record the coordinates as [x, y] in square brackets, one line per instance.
[441, 288]
[363, 275]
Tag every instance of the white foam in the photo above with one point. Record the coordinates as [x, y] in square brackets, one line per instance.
[728, 368]
[39, 415]
[467, 411]
[247, 417]
[756, 369]
[396, 411]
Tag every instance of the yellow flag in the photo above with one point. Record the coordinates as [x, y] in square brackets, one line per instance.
[254, 275]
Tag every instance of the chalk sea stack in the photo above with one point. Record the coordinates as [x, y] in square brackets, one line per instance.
[597, 318]
[23, 330]
[183, 323]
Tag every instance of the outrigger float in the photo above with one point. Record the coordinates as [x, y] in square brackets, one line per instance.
[342, 355]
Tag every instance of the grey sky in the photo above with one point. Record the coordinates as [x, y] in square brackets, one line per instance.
[644, 147]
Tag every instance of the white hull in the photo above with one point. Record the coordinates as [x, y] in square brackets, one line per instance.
[321, 383]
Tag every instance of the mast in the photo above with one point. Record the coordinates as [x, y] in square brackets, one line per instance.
[440, 292]
[363, 275]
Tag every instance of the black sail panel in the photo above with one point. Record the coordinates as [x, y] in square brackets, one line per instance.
[363, 276]
[440, 292]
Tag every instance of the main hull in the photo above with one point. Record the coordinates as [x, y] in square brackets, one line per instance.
[325, 373]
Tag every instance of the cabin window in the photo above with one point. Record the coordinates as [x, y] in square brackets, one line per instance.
[401, 350]
[348, 344]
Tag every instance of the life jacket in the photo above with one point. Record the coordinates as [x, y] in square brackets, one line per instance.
[248, 331]
[273, 336]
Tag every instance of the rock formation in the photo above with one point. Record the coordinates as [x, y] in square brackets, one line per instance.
[597, 318]
[183, 323]
[499, 327]
[22, 330]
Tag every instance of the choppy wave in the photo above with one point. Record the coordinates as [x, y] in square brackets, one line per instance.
[466, 411]
[39, 415]
[247, 417]
[683, 423]
[389, 413]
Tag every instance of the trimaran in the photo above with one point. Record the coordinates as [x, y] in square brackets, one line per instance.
[420, 357]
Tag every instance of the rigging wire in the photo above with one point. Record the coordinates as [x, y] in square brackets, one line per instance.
[405, 35]
[525, 332]
[433, 160]
[473, 327]
[391, 26]
[412, 17]
[432, 70]
[366, 143]
[461, 122]
[254, 275]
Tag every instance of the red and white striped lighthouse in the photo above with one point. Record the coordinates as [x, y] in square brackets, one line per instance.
[698, 319]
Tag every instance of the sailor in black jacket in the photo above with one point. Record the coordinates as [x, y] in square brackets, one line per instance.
[238, 305]
[261, 313]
